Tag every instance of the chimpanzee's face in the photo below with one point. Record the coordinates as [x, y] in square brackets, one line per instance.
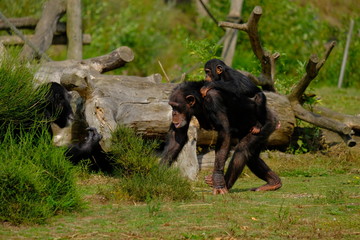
[178, 114]
[213, 70]
[181, 108]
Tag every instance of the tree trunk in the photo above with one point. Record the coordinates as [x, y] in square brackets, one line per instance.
[231, 34]
[74, 29]
[45, 29]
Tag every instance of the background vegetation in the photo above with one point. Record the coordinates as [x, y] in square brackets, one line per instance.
[180, 39]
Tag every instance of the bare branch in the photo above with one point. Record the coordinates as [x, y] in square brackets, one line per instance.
[266, 59]
[57, 39]
[312, 69]
[320, 121]
[44, 31]
[349, 141]
[352, 121]
[117, 58]
[29, 23]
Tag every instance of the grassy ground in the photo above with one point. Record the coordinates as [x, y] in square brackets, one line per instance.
[320, 199]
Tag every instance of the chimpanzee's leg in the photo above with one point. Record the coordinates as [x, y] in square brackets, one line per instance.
[256, 144]
[237, 163]
[221, 153]
[262, 171]
[248, 152]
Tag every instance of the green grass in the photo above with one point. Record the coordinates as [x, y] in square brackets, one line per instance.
[308, 206]
[344, 100]
[37, 181]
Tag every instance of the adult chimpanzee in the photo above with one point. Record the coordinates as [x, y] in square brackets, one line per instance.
[217, 111]
[58, 110]
[221, 76]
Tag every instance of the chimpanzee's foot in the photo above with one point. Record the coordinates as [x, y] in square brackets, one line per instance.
[273, 183]
[209, 180]
[217, 191]
[267, 187]
[217, 182]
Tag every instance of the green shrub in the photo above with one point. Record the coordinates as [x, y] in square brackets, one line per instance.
[36, 179]
[141, 176]
[160, 183]
[132, 154]
[20, 100]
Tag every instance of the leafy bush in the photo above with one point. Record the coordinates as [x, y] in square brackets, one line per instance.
[306, 139]
[141, 176]
[36, 179]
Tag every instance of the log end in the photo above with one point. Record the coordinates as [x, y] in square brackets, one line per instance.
[257, 10]
[125, 53]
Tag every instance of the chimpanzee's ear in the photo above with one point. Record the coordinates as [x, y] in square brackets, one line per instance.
[190, 99]
[219, 69]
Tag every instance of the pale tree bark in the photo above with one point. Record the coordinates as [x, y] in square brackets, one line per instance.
[45, 29]
[231, 34]
[200, 7]
[74, 29]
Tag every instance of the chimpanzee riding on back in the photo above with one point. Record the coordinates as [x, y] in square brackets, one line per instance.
[222, 77]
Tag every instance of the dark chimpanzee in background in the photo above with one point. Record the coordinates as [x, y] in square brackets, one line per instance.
[58, 110]
[217, 111]
[220, 76]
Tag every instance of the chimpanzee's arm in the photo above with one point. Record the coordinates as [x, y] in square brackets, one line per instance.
[261, 111]
[176, 139]
[217, 112]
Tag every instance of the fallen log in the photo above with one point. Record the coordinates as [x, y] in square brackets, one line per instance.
[29, 23]
[138, 102]
[57, 40]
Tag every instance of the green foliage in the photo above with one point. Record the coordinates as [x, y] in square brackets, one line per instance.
[159, 32]
[141, 176]
[19, 100]
[201, 51]
[36, 180]
[305, 140]
[11, 9]
[161, 183]
[132, 154]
